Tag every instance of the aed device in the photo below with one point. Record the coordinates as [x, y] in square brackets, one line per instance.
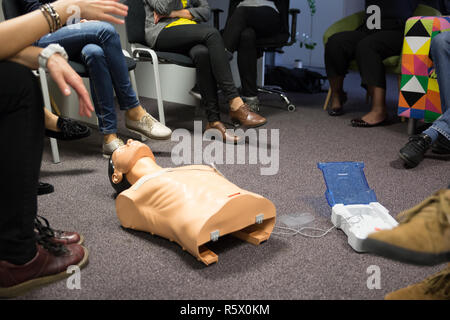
[354, 206]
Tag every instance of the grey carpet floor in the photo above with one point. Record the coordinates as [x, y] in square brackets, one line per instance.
[135, 265]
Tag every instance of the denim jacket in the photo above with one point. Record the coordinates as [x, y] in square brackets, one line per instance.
[198, 8]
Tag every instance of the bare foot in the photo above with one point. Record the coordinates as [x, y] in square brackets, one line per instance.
[51, 121]
[374, 117]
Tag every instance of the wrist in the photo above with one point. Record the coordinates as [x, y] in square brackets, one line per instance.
[45, 56]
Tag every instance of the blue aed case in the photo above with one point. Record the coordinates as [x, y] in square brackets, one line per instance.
[355, 209]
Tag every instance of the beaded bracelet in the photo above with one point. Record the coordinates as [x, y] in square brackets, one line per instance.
[48, 18]
[53, 19]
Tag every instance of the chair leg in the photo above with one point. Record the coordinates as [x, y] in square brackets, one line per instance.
[47, 103]
[327, 100]
[412, 124]
[158, 87]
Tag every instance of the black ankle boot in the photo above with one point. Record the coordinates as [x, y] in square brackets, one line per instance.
[412, 153]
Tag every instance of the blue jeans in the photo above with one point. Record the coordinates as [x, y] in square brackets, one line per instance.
[97, 45]
[440, 53]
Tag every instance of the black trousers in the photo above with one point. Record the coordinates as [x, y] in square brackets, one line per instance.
[22, 132]
[369, 48]
[243, 28]
[205, 46]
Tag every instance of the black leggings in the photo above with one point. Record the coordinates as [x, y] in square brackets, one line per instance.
[368, 48]
[22, 132]
[204, 45]
[241, 31]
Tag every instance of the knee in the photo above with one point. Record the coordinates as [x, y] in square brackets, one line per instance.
[213, 33]
[248, 36]
[92, 52]
[106, 28]
[440, 42]
[199, 53]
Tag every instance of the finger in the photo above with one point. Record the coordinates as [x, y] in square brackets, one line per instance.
[112, 19]
[58, 77]
[75, 81]
[114, 9]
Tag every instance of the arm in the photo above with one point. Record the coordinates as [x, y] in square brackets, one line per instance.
[13, 31]
[201, 12]
[163, 7]
[61, 72]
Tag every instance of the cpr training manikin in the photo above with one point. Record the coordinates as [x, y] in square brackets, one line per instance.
[191, 205]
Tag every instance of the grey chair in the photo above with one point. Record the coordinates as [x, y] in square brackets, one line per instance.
[11, 9]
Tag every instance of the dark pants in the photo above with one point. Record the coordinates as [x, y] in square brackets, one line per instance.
[368, 48]
[204, 45]
[243, 28]
[22, 132]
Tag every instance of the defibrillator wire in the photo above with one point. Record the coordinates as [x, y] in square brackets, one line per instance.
[293, 231]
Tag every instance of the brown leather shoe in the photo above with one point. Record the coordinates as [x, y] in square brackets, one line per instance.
[226, 137]
[246, 117]
[44, 268]
[43, 229]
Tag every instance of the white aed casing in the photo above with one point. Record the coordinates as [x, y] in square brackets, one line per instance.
[359, 220]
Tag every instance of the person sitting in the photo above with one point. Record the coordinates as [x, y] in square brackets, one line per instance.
[370, 47]
[421, 238]
[249, 21]
[188, 205]
[31, 253]
[173, 26]
[437, 137]
[96, 44]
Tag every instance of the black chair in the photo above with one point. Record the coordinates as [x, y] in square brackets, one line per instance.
[272, 44]
[135, 28]
[11, 9]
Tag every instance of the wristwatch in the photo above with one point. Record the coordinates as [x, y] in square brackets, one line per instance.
[48, 52]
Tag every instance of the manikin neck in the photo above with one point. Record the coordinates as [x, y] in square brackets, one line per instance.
[143, 166]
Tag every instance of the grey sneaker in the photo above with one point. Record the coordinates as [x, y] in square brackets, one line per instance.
[253, 103]
[148, 127]
[109, 148]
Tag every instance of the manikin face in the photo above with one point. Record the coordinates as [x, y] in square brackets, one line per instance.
[125, 157]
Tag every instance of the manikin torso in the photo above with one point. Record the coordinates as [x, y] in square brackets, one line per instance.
[187, 204]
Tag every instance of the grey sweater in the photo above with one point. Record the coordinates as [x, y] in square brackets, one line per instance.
[198, 8]
[258, 3]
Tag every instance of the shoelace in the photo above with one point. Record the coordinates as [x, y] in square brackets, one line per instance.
[439, 282]
[442, 208]
[70, 128]
[148, 119]
[45, 234]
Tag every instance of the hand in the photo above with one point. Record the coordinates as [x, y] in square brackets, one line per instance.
[98, 9]
[64, 76]
[157, 17]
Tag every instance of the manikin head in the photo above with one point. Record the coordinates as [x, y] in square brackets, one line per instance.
[123, 160]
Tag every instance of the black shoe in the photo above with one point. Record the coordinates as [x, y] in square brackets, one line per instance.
[441, 145]
[44, 188]
[412, 153]
[340, 111]
[70, 130]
